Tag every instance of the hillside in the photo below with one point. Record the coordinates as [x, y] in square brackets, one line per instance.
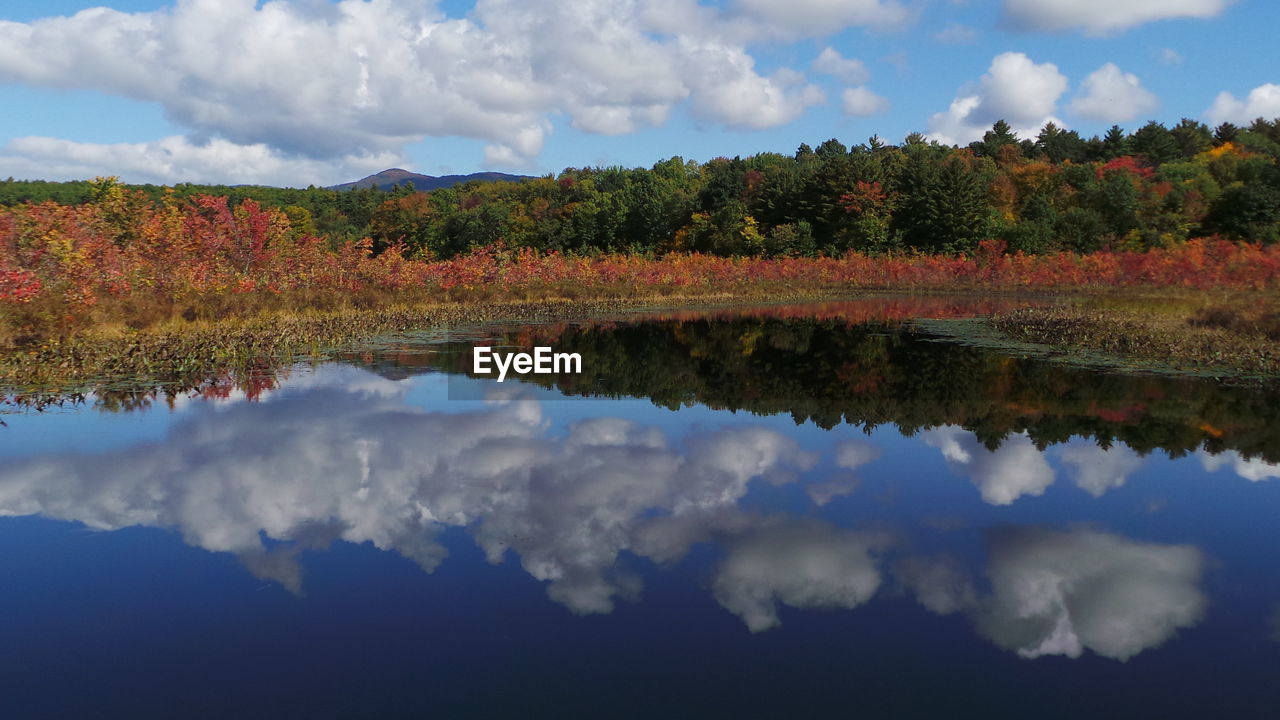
[389, 179]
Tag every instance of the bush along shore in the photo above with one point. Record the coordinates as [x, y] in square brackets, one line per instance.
[186, 355]
[119, 287]
[1229, 333]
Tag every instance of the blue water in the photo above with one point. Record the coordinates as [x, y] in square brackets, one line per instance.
[352, 545]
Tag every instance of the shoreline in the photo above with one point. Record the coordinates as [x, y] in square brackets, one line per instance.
[1123, 324]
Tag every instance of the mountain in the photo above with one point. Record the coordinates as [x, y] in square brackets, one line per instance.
[388, 179]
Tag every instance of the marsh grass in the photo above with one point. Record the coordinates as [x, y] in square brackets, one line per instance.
[1232, 332]
[185, 351]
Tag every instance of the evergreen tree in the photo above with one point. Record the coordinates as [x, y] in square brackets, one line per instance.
[1156, 143]
[997, 137]
[944, 204]
[1225, 133]
[1192, 137]
[1060, 145]
[1115, 143]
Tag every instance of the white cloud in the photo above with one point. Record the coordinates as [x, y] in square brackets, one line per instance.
[727, 90]
[1056, 592]
[939, 584]
[1169, 56]
[178, 158]
[1253, 469]
[860, 101]
[1015, 89]
[340, 455]
[824, 17]
[1003, 475]
[1100, 17]
[800, 564]
[1096, 470]
[1262, 102]
[1061, 592]
[853, 454]
[1111, 95]
[363, 79]
[849, 71]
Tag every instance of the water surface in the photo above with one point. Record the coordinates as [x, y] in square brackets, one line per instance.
[773, 512]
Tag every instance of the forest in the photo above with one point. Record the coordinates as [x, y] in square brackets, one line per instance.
[1181, 207]
[1124, 191]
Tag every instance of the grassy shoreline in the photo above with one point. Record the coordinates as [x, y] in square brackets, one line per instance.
[1230, 331]
[178, 353]
[1175, 339]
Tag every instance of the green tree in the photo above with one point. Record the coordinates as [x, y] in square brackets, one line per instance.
[1115, 143]
[1156, 143]
[1192, 137]
[1060, 145]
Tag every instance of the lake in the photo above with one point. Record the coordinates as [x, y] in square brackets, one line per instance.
[779, 511]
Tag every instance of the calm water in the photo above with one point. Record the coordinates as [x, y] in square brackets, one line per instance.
[794, 512]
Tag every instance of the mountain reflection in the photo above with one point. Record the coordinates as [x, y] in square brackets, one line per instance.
[340, 454]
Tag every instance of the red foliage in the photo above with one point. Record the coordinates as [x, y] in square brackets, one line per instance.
[1127, 164]
[866, 197]
[74, 257]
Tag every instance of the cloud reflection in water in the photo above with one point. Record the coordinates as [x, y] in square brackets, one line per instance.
[340, 455]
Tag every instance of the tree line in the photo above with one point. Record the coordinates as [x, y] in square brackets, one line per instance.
[1150, 188]
[830, 373]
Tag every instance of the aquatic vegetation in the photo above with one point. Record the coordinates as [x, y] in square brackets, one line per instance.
[1214, 338]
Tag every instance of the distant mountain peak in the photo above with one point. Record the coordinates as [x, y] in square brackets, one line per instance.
[394, 177]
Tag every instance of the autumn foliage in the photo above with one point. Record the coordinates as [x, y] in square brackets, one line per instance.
[61, 263]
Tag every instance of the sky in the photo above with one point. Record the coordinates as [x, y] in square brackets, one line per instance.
[300, 92]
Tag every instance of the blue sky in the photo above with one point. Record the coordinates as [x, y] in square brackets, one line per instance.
[293, 92]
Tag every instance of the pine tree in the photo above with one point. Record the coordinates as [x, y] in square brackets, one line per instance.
[1115, 143]
[1192, 137]
[1154, 142]
[1060, 145]
[997, 137]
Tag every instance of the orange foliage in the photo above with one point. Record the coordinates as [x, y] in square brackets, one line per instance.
[74, 256]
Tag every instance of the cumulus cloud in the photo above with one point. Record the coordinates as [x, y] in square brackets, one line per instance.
[860, 101]
[1003, 475]
[824, 17]
[800, 564]
[363, 79]
[1015, 89]
[1111, 95]
[340, 455]
[853, 454]
[1262, 102]
[726, 89]
[849, 71]
[1252, 469]
[938, 583]
[1061, 592]
[1096, 470]
[178, 158]
[1101, 17]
